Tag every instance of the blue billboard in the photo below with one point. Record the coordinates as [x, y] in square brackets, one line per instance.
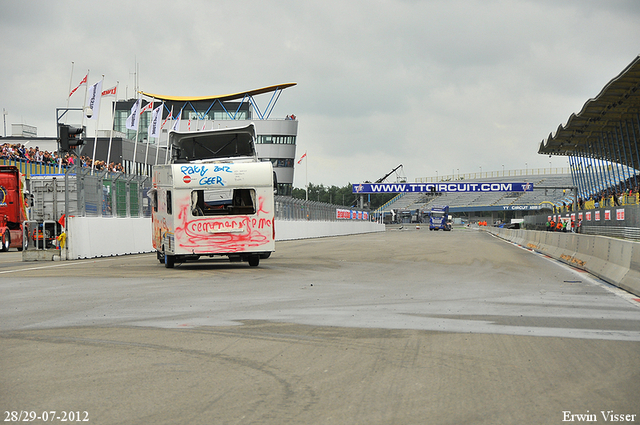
[441, 187]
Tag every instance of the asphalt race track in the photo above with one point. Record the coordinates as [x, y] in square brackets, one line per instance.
[401, 327]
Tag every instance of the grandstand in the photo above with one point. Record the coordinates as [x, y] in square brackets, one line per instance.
[484, 204]
[601, 186]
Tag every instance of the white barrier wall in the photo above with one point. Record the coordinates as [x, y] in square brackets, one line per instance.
[289, 229]
[616, 261]
[90, 237]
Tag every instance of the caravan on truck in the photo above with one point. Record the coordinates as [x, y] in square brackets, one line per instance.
[214, 198]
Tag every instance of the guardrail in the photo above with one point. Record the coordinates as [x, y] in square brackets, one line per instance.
[494, 174]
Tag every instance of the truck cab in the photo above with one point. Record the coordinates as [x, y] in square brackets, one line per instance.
[13, 209]
[439, 218]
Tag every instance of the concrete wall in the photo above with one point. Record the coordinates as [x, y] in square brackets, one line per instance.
[616, 261]
[289, 229]
[90, 237]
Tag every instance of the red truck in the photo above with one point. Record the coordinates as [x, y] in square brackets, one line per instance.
[13, 209]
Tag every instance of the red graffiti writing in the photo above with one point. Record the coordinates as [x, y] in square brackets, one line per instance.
[223, 234]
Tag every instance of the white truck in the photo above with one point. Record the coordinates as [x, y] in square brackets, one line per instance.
[214, 198]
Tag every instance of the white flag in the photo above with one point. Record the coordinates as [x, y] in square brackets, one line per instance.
[132, 120]
[176, 123]
[93, 102]
[156, 120]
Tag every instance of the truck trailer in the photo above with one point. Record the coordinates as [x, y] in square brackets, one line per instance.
[215, 198]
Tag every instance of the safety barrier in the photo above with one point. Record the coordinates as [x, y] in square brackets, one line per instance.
[615, 261]
[288, 230]
[92, 237]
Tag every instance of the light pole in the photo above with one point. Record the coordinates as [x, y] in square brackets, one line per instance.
[502, 170]
[4, 116]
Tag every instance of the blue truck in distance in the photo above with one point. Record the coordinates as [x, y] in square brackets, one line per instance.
[439, 218]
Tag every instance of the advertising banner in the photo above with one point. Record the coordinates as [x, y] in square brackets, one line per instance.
[440, 187]
[351, 215]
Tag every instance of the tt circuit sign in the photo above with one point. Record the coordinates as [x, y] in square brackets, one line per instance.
[440, 187]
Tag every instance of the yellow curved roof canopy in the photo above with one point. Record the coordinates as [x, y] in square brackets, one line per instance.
[223, 97]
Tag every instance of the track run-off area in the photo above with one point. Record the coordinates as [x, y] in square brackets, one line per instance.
[399, 327]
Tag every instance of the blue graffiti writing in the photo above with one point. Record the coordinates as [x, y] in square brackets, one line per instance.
[212, 181]
[222, 168]
[194, 169]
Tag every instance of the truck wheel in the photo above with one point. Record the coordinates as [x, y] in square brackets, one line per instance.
[254, 260]
[160, 257]
[6, 241]
[169, 261]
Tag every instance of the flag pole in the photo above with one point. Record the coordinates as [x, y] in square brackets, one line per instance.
[159, 134]
[135, 142]
[84, 102]
[306, 176]
[70, 83]
[166, 152]
[146, 153]
[95, 140]
[175, 127]
[113, 117]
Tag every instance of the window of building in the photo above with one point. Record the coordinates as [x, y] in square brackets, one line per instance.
[282, 162]
[277, 140]
[217, 115]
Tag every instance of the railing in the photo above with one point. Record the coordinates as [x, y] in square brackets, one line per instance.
[288, 208]
[610, 201]
[494, 174]
[86, 193]
[632, 233]
[28, 167]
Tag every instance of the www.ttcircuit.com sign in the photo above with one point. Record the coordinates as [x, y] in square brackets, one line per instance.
[440, 187]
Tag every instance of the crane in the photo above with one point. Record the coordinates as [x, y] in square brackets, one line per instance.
[380, 180]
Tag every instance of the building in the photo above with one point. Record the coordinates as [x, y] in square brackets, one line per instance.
[276, 137]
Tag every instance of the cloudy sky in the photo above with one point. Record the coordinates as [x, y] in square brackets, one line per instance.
[439, 86]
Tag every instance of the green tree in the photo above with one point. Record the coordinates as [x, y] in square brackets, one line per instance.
[341, 196]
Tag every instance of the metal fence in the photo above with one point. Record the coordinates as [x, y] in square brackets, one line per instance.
[89, 193]
[288, 208]
[86, 193]
[613, 221]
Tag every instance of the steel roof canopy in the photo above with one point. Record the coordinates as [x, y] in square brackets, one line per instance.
[618, 101]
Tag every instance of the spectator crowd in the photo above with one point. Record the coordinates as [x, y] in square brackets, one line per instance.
[22, 153]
